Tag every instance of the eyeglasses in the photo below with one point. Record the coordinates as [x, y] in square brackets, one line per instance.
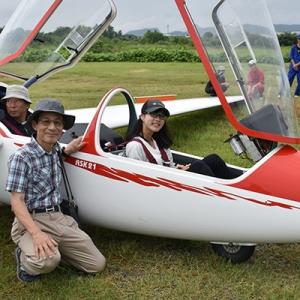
[159, 115]
[48, 122]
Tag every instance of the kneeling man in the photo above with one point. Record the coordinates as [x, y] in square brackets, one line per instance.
[42, 233]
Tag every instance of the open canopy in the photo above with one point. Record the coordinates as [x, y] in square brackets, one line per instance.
[252, 51]
[54, 32]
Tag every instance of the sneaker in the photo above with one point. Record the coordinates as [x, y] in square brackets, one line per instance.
[22, 274]
[296, 96]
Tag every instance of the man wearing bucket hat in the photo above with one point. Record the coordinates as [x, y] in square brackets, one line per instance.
[43, 234]
[16, 104]
[294, 69]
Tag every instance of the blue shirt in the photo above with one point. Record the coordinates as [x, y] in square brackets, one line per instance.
[295, 54]
[37, 174]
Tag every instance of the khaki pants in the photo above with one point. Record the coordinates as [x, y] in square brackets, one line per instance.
[75, 247]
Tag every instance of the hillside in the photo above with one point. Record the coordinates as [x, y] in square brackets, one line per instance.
[278, 27]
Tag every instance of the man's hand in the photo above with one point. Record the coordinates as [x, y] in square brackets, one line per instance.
[74, 146]
[296, 66]
[44, 245]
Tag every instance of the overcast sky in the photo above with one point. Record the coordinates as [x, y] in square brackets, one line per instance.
[163, 14]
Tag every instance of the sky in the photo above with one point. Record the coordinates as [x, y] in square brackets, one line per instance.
[163, 14]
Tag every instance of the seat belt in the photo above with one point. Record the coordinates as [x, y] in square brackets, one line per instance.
[151, 159]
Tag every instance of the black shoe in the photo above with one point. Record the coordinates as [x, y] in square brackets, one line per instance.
[21, 274]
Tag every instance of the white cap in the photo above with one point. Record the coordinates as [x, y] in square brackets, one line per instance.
[252, 62]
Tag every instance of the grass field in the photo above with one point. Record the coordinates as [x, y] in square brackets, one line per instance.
[141, 267]
[86, 84]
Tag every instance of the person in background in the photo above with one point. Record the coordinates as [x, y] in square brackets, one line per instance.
[149, 141]
[43, 234]
[255, 81]
[294, 69]
[209, 89]
[15, 105]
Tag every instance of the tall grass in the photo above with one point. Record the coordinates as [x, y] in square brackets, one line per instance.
[142, 267]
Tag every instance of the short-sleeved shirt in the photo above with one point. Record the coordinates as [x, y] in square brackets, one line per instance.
[37, 174]
[255, 76]
[135, 150]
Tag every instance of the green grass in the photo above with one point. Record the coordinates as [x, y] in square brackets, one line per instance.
[141, 267]
[85, 84]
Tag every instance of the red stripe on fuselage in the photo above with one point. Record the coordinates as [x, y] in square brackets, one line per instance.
[121, 175]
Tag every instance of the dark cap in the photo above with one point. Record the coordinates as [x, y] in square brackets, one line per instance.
[154, 105]
[52, 105]
[298, 36]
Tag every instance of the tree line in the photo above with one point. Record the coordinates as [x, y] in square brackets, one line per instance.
[153, 46]
[154, 37]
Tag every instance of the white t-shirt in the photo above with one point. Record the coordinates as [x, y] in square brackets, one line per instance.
[135, 150]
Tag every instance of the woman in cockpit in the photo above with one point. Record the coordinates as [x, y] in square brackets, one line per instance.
[149, 141]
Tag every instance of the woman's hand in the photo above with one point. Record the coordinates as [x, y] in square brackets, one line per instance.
[183, 167]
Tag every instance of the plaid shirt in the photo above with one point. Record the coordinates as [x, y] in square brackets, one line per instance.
[37, 174]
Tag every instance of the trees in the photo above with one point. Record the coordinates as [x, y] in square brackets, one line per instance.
[153, 37]
[111, 33]
[287, 38]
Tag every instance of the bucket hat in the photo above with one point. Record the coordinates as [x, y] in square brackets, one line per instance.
[55, 106]
[17, 91]
[154, 105]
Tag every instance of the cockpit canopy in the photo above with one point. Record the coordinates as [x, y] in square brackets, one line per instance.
[58, 32]
[252, 52]
[43, 36]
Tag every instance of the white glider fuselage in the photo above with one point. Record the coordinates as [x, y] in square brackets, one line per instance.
[262, 204]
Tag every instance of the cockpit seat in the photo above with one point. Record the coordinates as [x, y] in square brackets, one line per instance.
[109, 139]
[267, 119]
